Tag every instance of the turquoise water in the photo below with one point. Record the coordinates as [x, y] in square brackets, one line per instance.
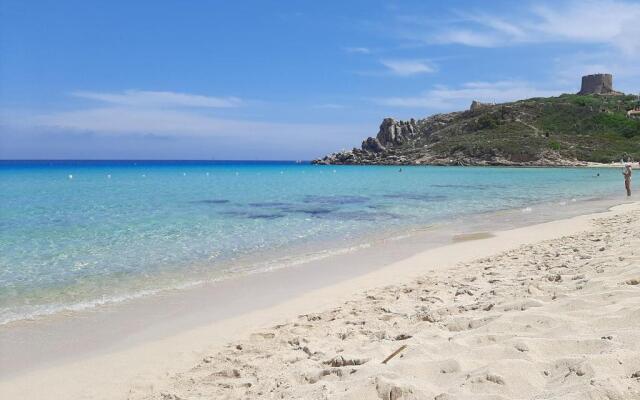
[79, 234]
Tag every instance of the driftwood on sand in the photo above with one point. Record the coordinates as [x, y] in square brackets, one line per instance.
[395, 353]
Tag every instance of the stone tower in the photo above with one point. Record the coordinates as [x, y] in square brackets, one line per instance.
[597, 84]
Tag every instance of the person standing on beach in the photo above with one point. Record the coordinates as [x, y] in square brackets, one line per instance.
[627, 178]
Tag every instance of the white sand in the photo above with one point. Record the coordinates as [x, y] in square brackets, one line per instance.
[547, 311]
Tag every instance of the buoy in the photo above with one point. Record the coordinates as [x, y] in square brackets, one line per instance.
[70, 176]
[108, 176]
[184, 174]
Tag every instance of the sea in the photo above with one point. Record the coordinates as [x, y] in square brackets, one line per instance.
[75, 235]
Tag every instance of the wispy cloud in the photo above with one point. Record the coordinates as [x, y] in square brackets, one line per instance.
[357, 50]
[145, 99]
[122, 120]
[408, 67]
[167, 114]
[609, 22]
[446, 98]
[465, 37]
[189, 133]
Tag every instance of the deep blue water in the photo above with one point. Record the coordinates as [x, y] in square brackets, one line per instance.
[74, 234]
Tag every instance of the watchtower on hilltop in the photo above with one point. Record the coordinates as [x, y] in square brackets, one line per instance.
[597, 84]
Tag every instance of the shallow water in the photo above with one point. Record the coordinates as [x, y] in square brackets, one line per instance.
[78, 234]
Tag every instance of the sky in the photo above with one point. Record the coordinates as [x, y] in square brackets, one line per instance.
[282, 80]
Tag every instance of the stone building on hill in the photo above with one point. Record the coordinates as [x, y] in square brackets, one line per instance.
[598, 84]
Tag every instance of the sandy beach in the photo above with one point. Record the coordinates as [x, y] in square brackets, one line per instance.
[395, 200]
[546, 311]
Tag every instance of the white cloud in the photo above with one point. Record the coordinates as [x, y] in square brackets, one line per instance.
[166, 134]
[466, 37]
[141, 98]
[501, 25]
[177, 115]
[358, 50]
[613, 23]
[408, 67]
[122, 120]
[445, 98]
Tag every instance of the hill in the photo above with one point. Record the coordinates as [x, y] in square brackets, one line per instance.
[566, 130]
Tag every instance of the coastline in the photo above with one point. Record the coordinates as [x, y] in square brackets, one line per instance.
[77, 332]
[111, 373]
[579, 164]
[205, 233]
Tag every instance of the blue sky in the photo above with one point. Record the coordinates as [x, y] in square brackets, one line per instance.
[282, 79]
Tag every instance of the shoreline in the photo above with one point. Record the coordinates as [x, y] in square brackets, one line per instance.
[582, 164]
[80, 332]
[93, 277]
[149, 360]
[265, 262]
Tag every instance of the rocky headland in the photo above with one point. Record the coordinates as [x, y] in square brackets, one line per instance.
[568, 130]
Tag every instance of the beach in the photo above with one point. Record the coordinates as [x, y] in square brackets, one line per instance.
[404, 200]
[544, 311]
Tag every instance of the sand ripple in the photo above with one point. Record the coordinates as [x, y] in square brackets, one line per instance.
[555, 320]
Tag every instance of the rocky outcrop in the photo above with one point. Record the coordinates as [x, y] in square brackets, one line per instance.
[476, 105]
[597, 84]
[391, 134]
[394, 132]
[372, 145]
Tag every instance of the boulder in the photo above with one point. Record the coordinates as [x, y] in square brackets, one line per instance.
[394, 132]
[372, 145]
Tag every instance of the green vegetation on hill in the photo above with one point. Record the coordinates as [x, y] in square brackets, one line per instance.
[586, 128]
[559, 130]
[589, 128]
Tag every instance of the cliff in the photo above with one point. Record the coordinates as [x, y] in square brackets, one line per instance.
[556, 131]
